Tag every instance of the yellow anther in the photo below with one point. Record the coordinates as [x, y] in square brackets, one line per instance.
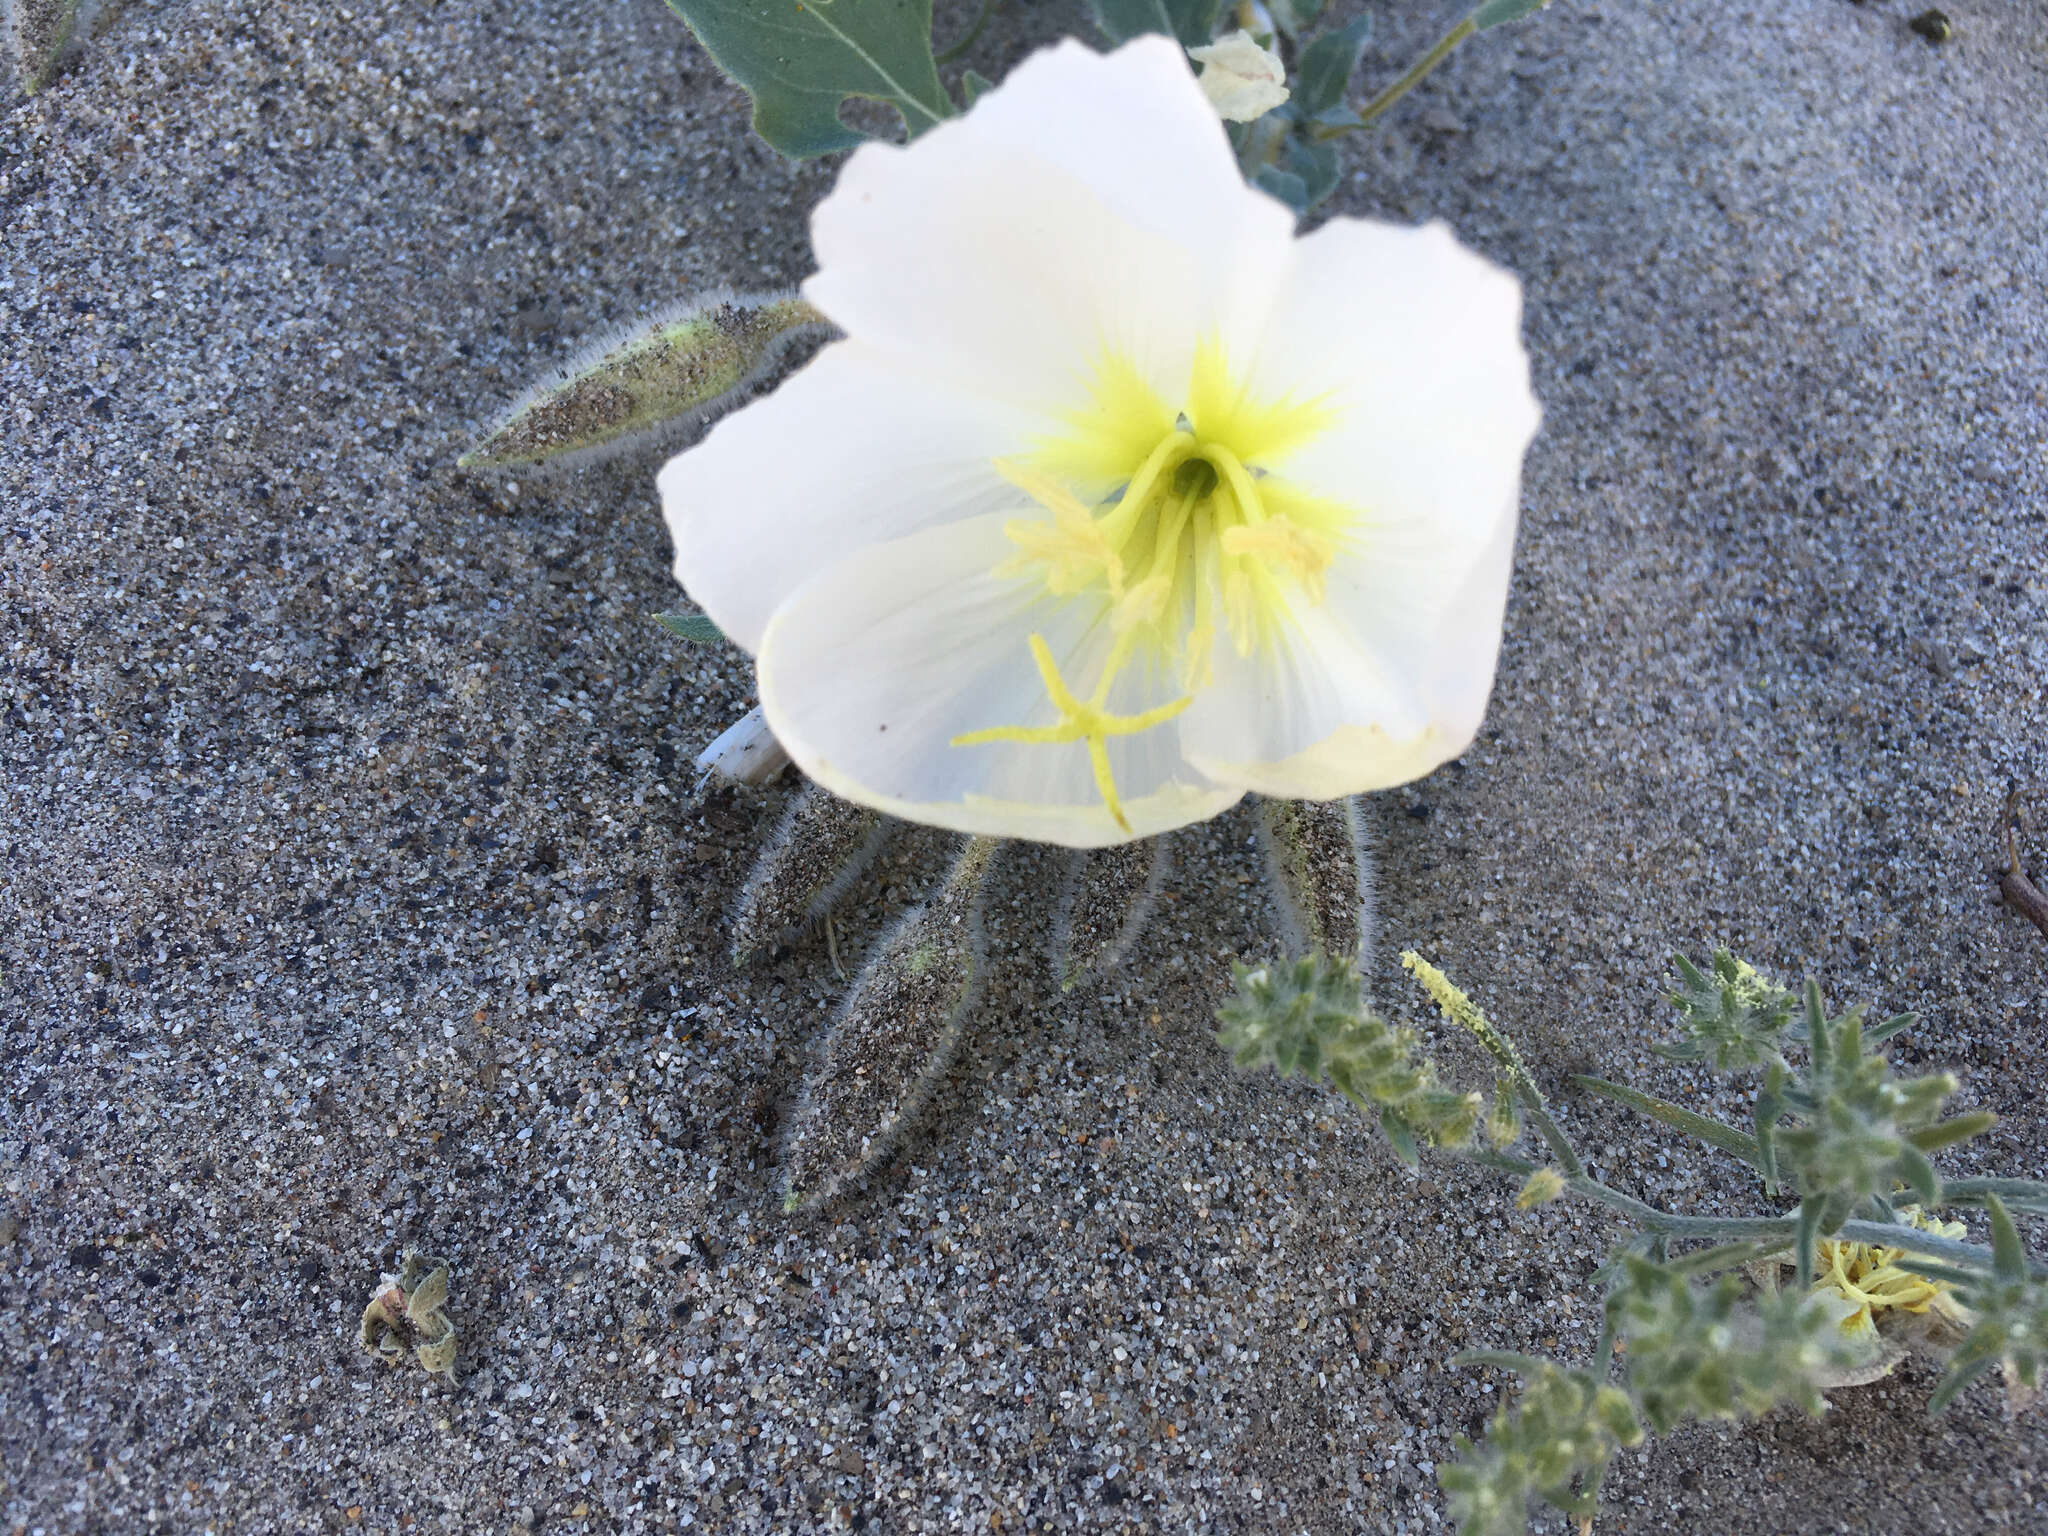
[1081, 720]
[1143, 604]
[1284, 546]
[1192, 536]
[1075, 551]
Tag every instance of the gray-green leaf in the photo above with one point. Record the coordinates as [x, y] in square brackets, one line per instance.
[1327, 65]
[1285, 185]
[1316, 167]
[1496, 12]
[1191, 21]
[696, 628]
[1292, 16]
[801, 59]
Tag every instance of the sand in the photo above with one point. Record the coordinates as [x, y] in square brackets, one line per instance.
[358, 895]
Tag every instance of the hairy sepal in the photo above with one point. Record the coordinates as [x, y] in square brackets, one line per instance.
[641, 384]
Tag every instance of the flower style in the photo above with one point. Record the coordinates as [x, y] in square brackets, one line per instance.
[1117, 501]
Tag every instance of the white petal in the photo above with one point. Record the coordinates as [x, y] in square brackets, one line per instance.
[871, 669]
[852, 450]
[1383, 682]
[1416, 342]
[1088, 201]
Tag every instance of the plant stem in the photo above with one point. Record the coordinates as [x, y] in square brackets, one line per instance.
[981, 20]
[1417, 72]
[1883, 1234]
[1552, 1133]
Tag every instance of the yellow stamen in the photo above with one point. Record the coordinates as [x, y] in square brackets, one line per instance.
[1074, 550]
[1279, 542]
[1079, 721]
[1202, 537]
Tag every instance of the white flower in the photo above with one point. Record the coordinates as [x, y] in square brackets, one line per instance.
[1117, 501]
[1242, 80]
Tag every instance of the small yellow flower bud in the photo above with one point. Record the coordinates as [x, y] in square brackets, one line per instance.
[1543, 1186]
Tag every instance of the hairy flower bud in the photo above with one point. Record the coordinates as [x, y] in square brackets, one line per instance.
[821, 847]
[1541, 1187]
[896, 1033]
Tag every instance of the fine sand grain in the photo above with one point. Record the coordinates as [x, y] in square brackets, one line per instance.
[356, 894]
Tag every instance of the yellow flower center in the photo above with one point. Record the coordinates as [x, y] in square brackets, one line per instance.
[1869, 1277]
[1173, 522]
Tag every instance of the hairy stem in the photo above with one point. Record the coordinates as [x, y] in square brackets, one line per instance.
[1884, 1234]
[974, 31]
[1417, 72]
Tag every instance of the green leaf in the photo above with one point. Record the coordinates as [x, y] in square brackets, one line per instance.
[1294, 16]
[1712, 1132]
[1820, 1043]
[1496, 12]
[1946, 1133]
[1315, 166]
[1285, 185]
[693, 627]
[1809, 1234]
[1327, 65]
[1890, 1027]
[1711, 1261]
[2008, 1254]
[1192, 22]
[2019, 1194]
[1955, 1381]
[1400, 1138]
[801, 59]
[1770, 1104]
[972, 84]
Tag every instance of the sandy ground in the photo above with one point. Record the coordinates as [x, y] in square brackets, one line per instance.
[355, 893]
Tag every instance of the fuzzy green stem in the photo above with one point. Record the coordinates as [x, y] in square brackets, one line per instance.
[1552, 1133]
[1785, 1229]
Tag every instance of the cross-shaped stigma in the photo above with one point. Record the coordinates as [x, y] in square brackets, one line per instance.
[1087, 721]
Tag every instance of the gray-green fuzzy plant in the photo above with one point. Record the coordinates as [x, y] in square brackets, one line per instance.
[1707, 1334]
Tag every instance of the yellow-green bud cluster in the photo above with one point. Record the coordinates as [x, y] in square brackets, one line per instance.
[1306, 1018]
